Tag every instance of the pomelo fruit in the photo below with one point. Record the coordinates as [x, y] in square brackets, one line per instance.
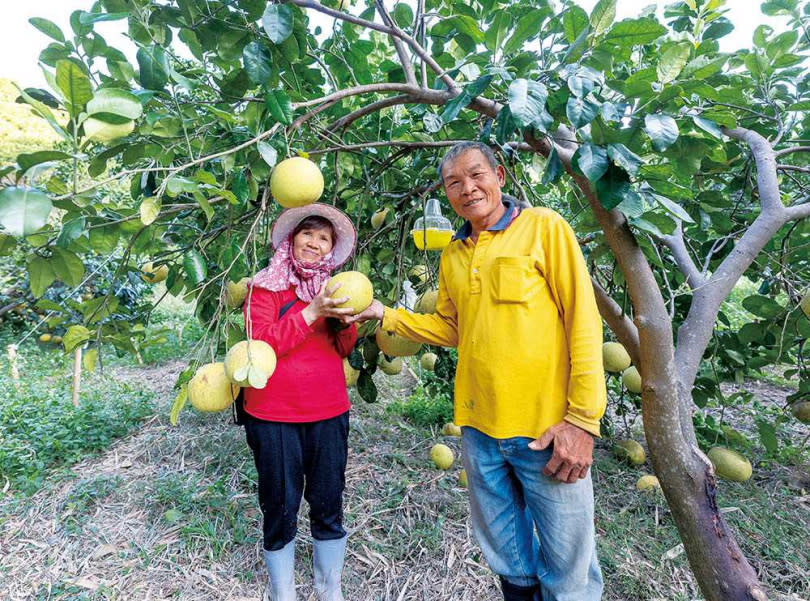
[442, 456]
[648, 482]
[45, 337]
[730, 465]
[632, 379]
[392, 367]
[236, 292]
[630, 451]
[210, 389]
[419, 273]
[428, 361]
[351, 374]
[394, 345]
[356, 286]
[250, 363]
[427, 302]
[152, 274]
[615, 357]
[451, 429]
[378, 218]
[462, 478]
[801, 411]
[296, 182]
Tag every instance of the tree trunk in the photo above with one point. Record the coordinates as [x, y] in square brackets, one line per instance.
[687, 479]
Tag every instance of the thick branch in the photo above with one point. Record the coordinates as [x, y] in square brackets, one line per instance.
[683, 259]
[618, 321]
[410, 76]
[765, 159]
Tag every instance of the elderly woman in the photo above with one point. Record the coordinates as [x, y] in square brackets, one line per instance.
[298, 425]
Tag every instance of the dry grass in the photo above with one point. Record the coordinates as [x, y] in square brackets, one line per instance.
[171, 513]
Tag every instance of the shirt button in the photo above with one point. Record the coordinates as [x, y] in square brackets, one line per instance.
[475, 271]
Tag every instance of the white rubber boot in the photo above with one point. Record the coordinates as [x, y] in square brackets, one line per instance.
[280, 573]
[327, 565]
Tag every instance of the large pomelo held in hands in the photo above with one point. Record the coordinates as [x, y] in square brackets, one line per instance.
[250, 363]
[210, 389]
[296, 182]
[396, 346]
[615, 357]
[356, 286]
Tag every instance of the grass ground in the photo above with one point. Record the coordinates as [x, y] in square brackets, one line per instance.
[170, 512]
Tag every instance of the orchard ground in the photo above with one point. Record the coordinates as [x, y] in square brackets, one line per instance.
[171, 512]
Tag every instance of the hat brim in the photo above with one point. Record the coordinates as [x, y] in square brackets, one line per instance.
[344, 228]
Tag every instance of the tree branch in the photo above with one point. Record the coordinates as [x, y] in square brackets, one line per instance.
[784, 151]
[410, 76]
[683, 259]
[793, 168]
[313, 4]
[366, 89]
[618, 321]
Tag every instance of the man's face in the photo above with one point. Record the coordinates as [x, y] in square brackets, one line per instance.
[472, 186]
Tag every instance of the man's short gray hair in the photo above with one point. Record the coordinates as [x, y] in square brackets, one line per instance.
[458, 149]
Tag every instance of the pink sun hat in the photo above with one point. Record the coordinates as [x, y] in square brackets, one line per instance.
[344, 228]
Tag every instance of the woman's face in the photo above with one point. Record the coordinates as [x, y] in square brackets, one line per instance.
[310, 245]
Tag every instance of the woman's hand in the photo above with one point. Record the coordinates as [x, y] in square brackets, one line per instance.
[324, 305]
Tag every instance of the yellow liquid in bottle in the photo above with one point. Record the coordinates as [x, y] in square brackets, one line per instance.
[431, 238]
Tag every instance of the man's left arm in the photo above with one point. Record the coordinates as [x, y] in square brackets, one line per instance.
[570, 284]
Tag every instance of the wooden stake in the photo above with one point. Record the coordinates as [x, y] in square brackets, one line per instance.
[77, 374]
[12, 361]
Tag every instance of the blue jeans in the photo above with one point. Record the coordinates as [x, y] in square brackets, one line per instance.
[531, 528]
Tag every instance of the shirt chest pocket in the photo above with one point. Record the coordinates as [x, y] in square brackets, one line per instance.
[514, 279]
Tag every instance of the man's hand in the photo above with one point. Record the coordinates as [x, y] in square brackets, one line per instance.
[374, 311]
[572, 455]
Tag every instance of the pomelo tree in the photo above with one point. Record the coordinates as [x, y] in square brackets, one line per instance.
[682, 168]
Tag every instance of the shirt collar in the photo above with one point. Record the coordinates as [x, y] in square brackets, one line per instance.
[465, 231]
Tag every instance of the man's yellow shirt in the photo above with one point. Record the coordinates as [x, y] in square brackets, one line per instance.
[519, 305]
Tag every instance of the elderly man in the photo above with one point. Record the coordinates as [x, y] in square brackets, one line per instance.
[515, 297]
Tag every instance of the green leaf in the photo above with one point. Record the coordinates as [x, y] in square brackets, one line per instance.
[74, 337]
[7, 244]
[527, 101]
[613, 187]
[40, 275]
[459, 24]
[89, 359]
[662, 129]
[632, 32]
[762, 306]
[258, 62]
[624, 158]
[26, 161]
[581, 111]
[366, 387]
[580, 86]
[672, 62]
[497, 30]
[239, 187]
[195, 267]
[767, 436]
[86, 18]
[178, 404]
[23, 211]
[602, 16]
[554, 168]
[153, 65]
[267, 152]
[279, 105]
[591, 160]
[49, 28]
[402, 14]
[277, 22]
[575, 21]
[66, 266]
[708, 126]
[74, 85]
[453, 106]
[150, 209]
[673, 208]
[779, 7]
[528, 26]
[43, 111]
[71, 230]
[115, 102]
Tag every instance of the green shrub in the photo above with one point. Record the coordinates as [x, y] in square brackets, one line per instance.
[40, 429]
[424, 409]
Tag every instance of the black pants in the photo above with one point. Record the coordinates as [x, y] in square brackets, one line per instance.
[292, 460]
